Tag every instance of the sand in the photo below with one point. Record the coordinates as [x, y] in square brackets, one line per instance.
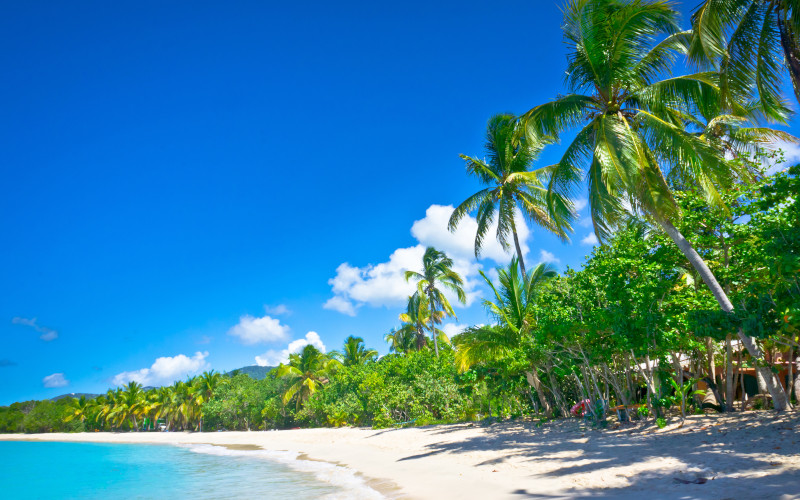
[753, 455]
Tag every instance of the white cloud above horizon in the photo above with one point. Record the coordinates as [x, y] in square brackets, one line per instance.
[590, 239]
[47, 334]
[251, 330]
[384, 284]
[548, 257]
[275, 357]
[55, 380]
[165, 370]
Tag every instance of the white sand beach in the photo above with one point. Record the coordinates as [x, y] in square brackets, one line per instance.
[756, 455]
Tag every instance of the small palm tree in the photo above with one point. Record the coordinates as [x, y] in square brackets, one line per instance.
[205, 385]
[437, 271]
[306, 373]
[511, 184]
[355, 353]
[415, 318]
[511, 309]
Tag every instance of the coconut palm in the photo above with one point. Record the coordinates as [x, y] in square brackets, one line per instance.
[403, 339]
[632, 123]
[80, 409]
[354, 352]
[511, 309]
[306, 373]
[205, 385]
[749, 41]
[128, 405]
[437, 271]
[510, 185]
[415, 318]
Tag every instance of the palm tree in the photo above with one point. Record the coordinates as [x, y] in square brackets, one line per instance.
[80, 409]
[511, 309]
[437, 271]
[128, 404]
[633, 124]
[416, 316]
[403, 339]
[746, 40]
[205, 385]
[510, 184]
[306, 372]
[355, 353]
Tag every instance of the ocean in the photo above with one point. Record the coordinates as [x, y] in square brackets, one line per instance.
[127, 471]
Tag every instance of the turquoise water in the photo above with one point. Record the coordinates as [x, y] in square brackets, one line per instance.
[125, 471]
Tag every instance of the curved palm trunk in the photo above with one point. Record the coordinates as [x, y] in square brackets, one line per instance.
[519, 250]
[433, 323]
[774, 387]
[533, 379]
[791, 52]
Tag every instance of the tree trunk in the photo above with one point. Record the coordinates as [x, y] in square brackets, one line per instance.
[729, 394]
[712, 369]
[774, 387]
[797, 380]
[433, 323]
[533, 380]
[519, 249]
[791, 53]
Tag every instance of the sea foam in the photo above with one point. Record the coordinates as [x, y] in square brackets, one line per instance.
[351, 485]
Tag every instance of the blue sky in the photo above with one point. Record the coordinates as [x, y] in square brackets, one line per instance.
[203, 184]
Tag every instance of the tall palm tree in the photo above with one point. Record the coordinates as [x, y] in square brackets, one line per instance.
[306, 372]
[355, 353]
[511, 184]
[749, 41]
[437, 271]
[633, 123]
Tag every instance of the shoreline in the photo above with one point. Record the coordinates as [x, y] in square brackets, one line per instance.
[759, 451]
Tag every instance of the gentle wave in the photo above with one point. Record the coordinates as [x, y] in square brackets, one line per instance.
[353, 486]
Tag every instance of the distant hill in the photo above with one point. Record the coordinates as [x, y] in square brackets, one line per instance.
[76, 395]
[254, 371]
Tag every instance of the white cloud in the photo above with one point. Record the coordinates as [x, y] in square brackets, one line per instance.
[47, 334]
[55, 380]
[251, 330]
[545, 256]
[165, 370]
[451, 329]
[384, 284]
[590, 239]
[579, 203]
[791, 155]
[341, 304]
[274, 358]
[432, 231]
[279, 310]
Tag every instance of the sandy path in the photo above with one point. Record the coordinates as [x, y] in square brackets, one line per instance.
[756, 455]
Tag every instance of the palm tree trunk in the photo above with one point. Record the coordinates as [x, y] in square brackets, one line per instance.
[519, 249]
[791, 53]
[774, 386]
[433, 323]
[729, 394]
